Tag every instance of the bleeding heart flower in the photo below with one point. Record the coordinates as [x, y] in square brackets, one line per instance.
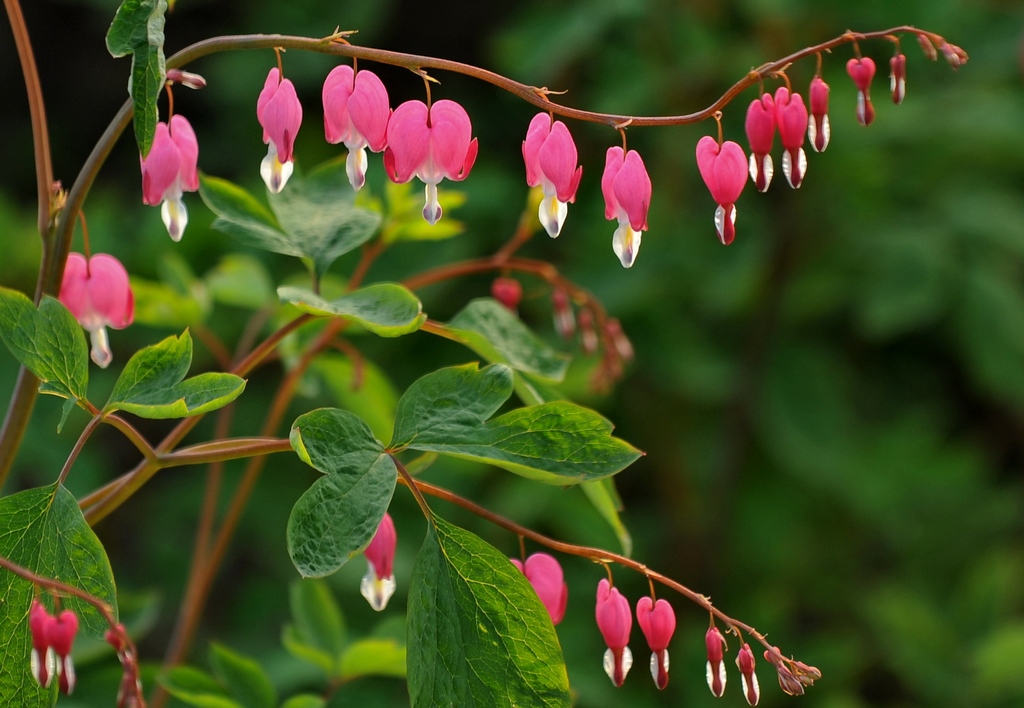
[60, 632]
[431, 144]
[550, 156]
[724, 169]
[615, 621]
[862, 71]
[791, 115]
[760, 128]
[378, 585]
[745, 663]
[627, 197]
[356, 113]
[658, 622]
[98, 295]
[715, 643]
[818, 131]
[545, 575]
[170, 169]
[43, 661]
[280, 113]
[898, 78]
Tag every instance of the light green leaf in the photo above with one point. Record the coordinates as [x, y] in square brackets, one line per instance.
[318, 619]
[605, 498]
[373, 657]
[153, 383]
[196, 688]
[44, 531]
[305, 700]
[298, 647]
[477, 634]
[138, 29]
[241, 281]
[243, 677]
[405, 220]
[556, 443]
[386, 309]
[241, 216]
[338, 516]
[49, 343]
[160, 305]
[362, 387]
[492, 331]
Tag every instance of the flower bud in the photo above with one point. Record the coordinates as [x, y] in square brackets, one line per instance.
[898, 78]
[658, 622]
[565, 321]
[186, 79]
[862, 71]
[615, 622]
[588, 335]
[927, 47]
[507, 291]
[818, 131]
[745, 663]
[716, 666]
[378, 585]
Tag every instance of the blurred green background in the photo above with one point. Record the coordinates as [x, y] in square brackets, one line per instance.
[832, 407]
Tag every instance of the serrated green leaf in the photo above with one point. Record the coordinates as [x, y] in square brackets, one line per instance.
[44, 531]
[477, 633]
[153, 383]
[243, 677]
[338, 516]
[138, 29]
[319, 214]
[48, 342]
[373, 657]
[240, 280]
[492, 331]
[386, 309]
[361, 387]
[556, 443]
[317, 616]
[196, 688]
[241, 216]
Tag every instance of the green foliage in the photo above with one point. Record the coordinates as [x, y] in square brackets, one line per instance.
[43, 531]
[405, 221]
[386, 309]
[478, 634]
[243, 678]
[556, 443]
[153, 383]
[49, 343]
[138, 29]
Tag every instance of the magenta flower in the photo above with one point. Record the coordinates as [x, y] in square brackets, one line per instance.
[378, 585]
[724, 169]
[98, 295]
[545, 575]
[169, 170]
[550, 156]
[898, 78]
[716, 666]
[760, 127]
[862, 71]
[658, 622]
[745, 663]
[43, 661]
[60, 632]
[280, 113]
[615, 621]
[791, 116]
[818, 131]
[356, 113]
[627, 197]
[431, 144]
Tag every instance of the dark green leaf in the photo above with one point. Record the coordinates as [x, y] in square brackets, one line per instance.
[138, 29]
[243, 677]
[478, 635]
[152, 385]
[386, 309]
[48, 342]
[605, 498]
[336, 517]
[492, 331]
[241, 216]
[556, 443]
[196, 688]
[44, 531]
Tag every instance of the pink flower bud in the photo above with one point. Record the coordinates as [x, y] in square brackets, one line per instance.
[760, 127]
[565, 321]
[60, 632]
[724, 169]
[716, 666]
[745, 663]
[623, 347]
[862, 71]
[545, 575]
[170, 169]
[550, 156]
[507, 291]
[378, 585]
[927, 47]
[818, 131]
[658, 622]
[356, 113]
[791, 115]
[615, 621]
[627, 197]
[43, 661]
[898, 78]
[186, 79]
[955, 55]
[280, 113]
[98, 295]
[588, 335]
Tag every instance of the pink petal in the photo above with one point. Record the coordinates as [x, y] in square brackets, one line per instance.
[613, 162]
[73, 294]
[184, 139]
[160, 167]
[557, 159]
[381, 551]
[450, 135]
[269, 89]
[408, 141]
[791, 115]
[760, 124]
[370, 109]
[109, 293]
[614, 618]
[545, 574]
[658, 622]
[336, 92]
[536, 134]
[724, 168]
[632, 188]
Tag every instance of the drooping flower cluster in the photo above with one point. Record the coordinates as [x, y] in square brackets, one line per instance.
[378, 585]
[52, 639]
[98, 295]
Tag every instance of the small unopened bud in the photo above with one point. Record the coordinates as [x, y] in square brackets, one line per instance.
[508, 292]
[613, 329]
[862, 70]
[898, 78]
[745, 663]
[954, 55]
[588, 336]
[818, 131]
[186, 78]
[60, 632]
[565, 321]
[716, 666]
[115, 637]
[927, 47]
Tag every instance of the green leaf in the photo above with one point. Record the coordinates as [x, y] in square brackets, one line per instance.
[196, 688]
[241, 216]
[492, 331]
[318, 619]
[556, 443]
[605, 498]
[338, 516]
[44, 531]
[161, 305]
[153, 383]
[138, 29]
[362, 387]
[244, 678]
[241, 281]
[405, 215]
[478, 635]
[373, 657]
[298, 647]
[319, 214]
[386, 309]
[49, 343]
[305, 700]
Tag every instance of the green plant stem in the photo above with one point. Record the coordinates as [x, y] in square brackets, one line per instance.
[87, 432]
